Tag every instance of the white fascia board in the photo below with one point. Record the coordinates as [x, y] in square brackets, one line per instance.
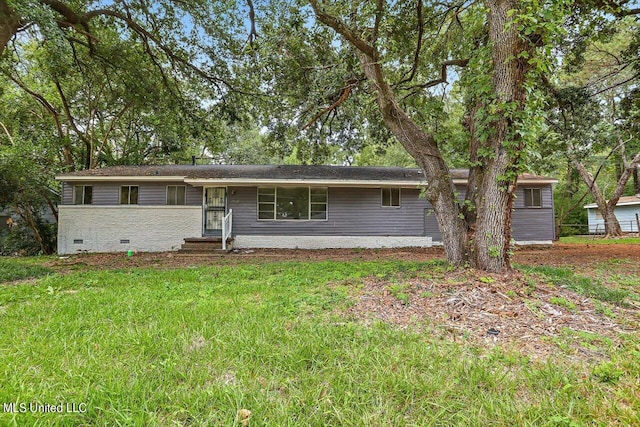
[152, 178]
[537, 181]
[594, 206]
[520, 181]
[244, 182]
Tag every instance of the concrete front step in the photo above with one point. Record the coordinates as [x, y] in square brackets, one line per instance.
[204, 245]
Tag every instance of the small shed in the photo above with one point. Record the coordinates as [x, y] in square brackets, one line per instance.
[627, 211]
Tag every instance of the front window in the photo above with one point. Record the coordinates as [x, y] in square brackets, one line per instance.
[391, 197]
[129, 195]
[532, 198]
[292, 203]
[82, 194]
[176, 195]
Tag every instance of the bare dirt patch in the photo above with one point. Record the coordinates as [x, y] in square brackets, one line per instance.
[579, 256]
[511, 311]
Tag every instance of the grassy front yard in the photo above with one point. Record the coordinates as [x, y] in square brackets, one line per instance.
[204, 345]
[598, 240]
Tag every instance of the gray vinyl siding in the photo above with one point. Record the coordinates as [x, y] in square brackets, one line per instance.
[529, 224]
[67, 194]
[546, 194]
[351, 212]
[149, 194]
[534, 223]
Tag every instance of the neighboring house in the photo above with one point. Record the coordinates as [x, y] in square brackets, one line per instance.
[627, 209]
[154, 208]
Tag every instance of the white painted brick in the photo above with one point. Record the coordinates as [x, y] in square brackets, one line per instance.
[148, 228]
[330, 242]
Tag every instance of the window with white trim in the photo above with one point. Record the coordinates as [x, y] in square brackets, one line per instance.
[292, 203]
[82, 194]
[129, 195]
[390, 197]
[533, 197]
[176, 195]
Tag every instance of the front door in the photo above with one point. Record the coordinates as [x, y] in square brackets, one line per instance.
[215, 207]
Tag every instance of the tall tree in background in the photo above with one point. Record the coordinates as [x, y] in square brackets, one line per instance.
[124, 82]
[594, 109]
[85, 84]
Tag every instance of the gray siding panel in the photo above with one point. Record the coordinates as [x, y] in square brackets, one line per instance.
[533, 224]
[351, 212]
[431, 227]
[149, 194]
[67, 194]
[528, 223]
[547, 196]
[106, 194]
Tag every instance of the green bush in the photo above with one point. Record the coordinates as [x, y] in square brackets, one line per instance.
[20, 240]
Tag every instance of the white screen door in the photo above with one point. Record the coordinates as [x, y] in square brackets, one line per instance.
[215, 206]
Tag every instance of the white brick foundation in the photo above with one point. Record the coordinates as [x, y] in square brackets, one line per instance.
[108, 228]
[330, 242]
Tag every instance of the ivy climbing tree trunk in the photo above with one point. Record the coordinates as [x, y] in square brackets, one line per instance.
[499, 166]
[494, 181]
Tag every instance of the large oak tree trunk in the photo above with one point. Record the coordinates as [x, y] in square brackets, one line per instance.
[492, 184]
[496, 188]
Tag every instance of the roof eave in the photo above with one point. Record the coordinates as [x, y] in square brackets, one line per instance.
[116, 178]
[594, 206]
[244, 182]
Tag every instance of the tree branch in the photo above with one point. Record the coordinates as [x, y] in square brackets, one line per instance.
[342, 29]
[72, 123]
[253, 33]
[416, 54]
[376, 25]
[344, 95]
[443, 73]
[6, 131]
[617, 8]
[9, 24]
[55, 115]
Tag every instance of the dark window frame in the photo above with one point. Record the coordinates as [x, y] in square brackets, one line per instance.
[86, 197]
[267, 204]
[176, 196]
[129, 200]
[387, 201]
[530, 198]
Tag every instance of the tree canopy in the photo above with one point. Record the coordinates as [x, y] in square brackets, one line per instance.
[476, 84]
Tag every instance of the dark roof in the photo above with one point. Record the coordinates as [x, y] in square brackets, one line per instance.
[260, 172]
[349, 173]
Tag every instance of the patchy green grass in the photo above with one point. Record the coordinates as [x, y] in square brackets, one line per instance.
[588, 286]
[193, 346]
[598, 240]
[12, 269]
